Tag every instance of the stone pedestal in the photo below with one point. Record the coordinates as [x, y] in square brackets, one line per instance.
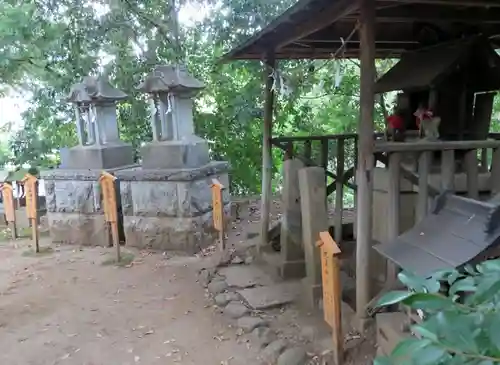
[171, 209]
[74, 209]
[99, 157]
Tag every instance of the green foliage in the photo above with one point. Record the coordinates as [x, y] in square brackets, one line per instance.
[45, 46]
[461, 317]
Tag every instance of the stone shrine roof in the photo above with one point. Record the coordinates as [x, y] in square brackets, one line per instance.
[93, 89]
[168, 78]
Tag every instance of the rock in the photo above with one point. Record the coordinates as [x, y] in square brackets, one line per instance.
[293, 356]
[245, 276]
[248, 260]
[309, 333]
[263, 336]
[273, 351]
[205, 276]
[235, 310]
[248, 324]
[222, 299]
[217, 287]
[237, 260]
[271, 296]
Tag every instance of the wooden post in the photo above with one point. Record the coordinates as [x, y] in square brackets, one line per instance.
[107, 182]
[9, 207]
[472, 172]
[448, 170]
[289, 151]
[218, 212]
[265, 210]
[332, 293]
[366, 158]
[339, 191]
[424, 165]
[394, 191]
[495, 172]
[31, 189]
[308, 149]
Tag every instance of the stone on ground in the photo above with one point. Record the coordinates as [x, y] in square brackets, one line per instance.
[248, 324]
[273, 351]
[293, 356]
[217, 287]
[235, 310]
[245, 276]
[271, 296]
[224, 298]
[263, 336]
[205, 276]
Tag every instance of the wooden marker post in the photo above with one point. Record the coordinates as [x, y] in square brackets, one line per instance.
[332, 292]
[107, 182]
[218, 212]
[10, 211]
[31, 189]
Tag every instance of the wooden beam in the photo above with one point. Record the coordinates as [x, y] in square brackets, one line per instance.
[471, 3]
[336, 10]
[365, 157]
[265, 210]
[412, 12]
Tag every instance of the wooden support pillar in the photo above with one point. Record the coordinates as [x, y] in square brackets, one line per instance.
[393, 190]
[339, 192]
[424, 165]
[472, 172]
[265, 209]
[495, 172]
[365, 157]
[448, 170]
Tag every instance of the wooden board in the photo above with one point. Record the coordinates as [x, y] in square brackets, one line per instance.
[218, 207]
[107, 182]
[328, 266]
[31, 189]
[8, 202]
[332, 292]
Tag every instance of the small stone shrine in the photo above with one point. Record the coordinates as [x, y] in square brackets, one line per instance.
[167, 202]
[73, 195]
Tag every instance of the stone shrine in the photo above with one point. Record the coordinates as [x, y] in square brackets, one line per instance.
[74, 211]
[167, 202]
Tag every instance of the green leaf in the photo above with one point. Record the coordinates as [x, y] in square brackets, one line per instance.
[393, 298]
[406, 347]
[463, 285]
[412, 281]
[428, 301]
[424, 332]
[382, 361]
[429, 355]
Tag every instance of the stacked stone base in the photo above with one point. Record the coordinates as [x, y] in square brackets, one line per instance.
[78, 229]
[74, 210]
[187, 234]
[171, 209]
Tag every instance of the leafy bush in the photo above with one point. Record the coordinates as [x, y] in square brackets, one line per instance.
[461, 322]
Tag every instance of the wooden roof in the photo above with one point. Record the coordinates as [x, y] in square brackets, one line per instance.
[430, 66]
[314, 29]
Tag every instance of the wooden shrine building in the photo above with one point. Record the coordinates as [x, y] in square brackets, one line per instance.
[447, 62]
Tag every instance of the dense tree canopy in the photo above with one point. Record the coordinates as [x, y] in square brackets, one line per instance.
[47, 45]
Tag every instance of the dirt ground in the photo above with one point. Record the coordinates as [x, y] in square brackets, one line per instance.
[68, 308]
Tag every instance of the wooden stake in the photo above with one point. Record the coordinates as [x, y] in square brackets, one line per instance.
[332, 293]
[10, 210]
[218, 212]
[107, 182]
[31, 188]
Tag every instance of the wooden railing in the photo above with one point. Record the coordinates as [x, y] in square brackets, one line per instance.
[471, 159]
[337, 154]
